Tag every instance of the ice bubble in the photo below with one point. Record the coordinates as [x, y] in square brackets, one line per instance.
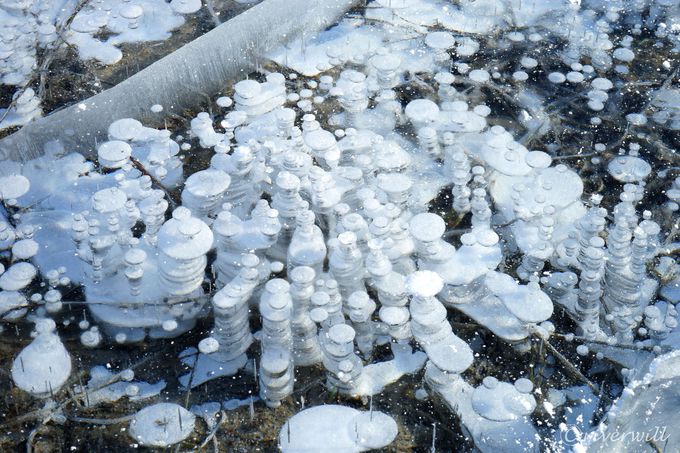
[43, 366]
[208, 345]
[13, 186]
[575, 77]
[224, 102]
[479, 75]
[629, 168]
[595, 105]
[162, 424]
[637, 119]
[624, 54]
[602, 84]
[528, 62]
[520, 76]
[440, 40]
[343, 427]
[556, 77]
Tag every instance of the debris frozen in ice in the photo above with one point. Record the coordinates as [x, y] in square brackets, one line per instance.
[341, 427]
[162, 425]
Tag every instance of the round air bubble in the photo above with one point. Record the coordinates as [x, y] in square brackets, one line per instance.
[520, 76]
[185, 6]
[482, 110]
[13, 186]
[575, 77]
[623, 54]
[556, 77]
[479, 75]
[208, 345]
[224, 102]
[444, 78]
[602, 84]
[528, 62]
[125, 129]
[422, 111]
[440, 40]
[636, 119]
[515, 36]
[595, 105]
[161, 425]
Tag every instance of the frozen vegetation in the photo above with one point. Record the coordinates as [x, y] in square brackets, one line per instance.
[433, 226]
[32, 30]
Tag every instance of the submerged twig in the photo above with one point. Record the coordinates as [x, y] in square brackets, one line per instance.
[603, 343]
[213, 432]
[571, 368]
[82, 396]
[574, 156]
[171, 199]
[49, 57]
[211, 9]
[100, 421]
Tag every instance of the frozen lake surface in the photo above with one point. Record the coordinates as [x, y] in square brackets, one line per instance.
[432, 226]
